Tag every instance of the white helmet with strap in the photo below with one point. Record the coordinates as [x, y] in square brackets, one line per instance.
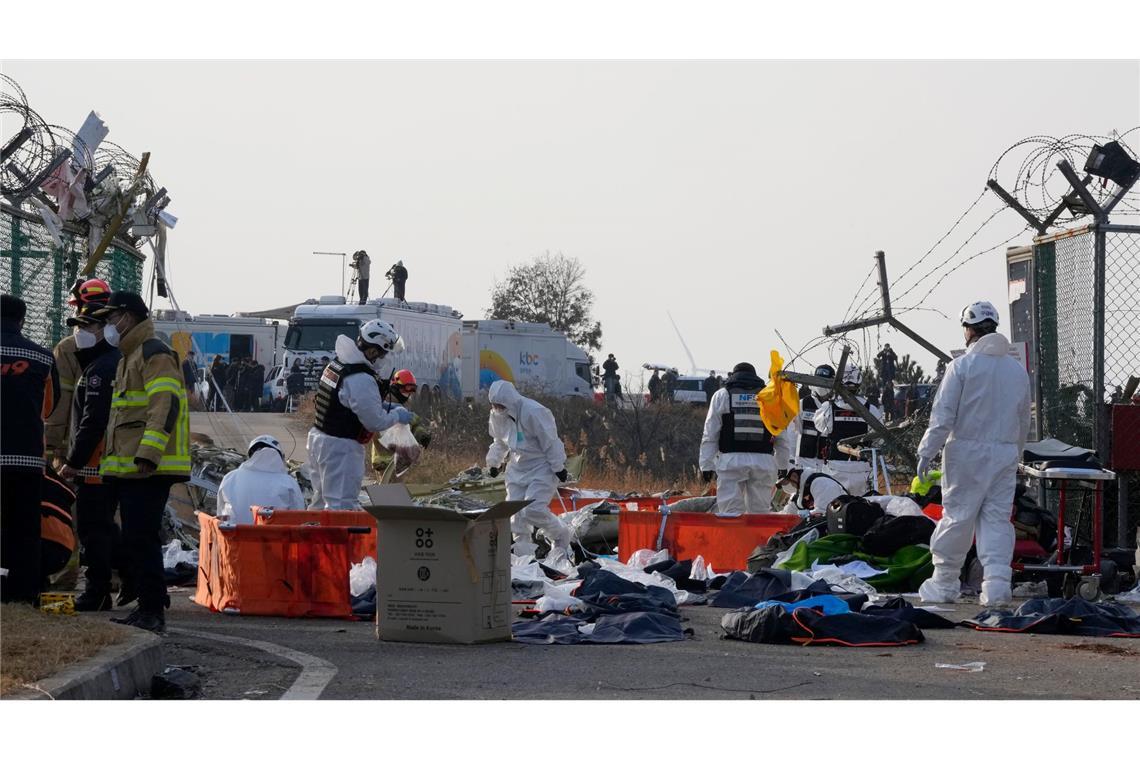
[377, 332]
[265, 440]
[979, 312]
[852, 375]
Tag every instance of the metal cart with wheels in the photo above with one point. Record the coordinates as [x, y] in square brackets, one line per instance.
[1081, 578]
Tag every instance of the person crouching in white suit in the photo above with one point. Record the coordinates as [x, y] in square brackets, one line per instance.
[349, 412]
[525, 437]
[737, 446]
[260, 481]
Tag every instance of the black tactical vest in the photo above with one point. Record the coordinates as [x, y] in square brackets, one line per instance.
[333, 417]
[741, 429]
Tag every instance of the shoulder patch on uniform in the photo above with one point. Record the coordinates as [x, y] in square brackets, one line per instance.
[154, 346]
[94, 381]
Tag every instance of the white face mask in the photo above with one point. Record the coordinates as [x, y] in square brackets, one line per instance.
[111, 334]
[789, 488]
[84, 339]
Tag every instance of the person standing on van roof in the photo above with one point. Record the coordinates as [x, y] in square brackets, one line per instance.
[981, 415]
[739, 449]
[29, 389]
[349, 413]
[363, 266]
[398, 275]
[524, 439]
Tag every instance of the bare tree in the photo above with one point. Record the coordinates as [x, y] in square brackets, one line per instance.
[550, 289]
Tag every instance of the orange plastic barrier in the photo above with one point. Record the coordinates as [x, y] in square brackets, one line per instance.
[638, 504]
[273, 570]
[724, 541]
[360, 545]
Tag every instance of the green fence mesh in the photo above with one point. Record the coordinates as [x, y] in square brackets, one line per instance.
[34, 268]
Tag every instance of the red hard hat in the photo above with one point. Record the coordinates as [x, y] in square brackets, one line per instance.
[405, 380]
[91, 291]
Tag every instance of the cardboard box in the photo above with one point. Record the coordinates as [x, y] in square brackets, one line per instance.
[442, 576]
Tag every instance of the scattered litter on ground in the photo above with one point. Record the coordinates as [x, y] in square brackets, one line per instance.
[967, 667]
[175, 683]
[1110, 649]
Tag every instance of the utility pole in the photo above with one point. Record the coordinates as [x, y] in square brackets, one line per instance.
[886, 317]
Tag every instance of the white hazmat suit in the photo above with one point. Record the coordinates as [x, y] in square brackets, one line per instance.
[526, 438]
[338, 463]
[855, 475]
[744, 480]
[981, 415]
[261, 481]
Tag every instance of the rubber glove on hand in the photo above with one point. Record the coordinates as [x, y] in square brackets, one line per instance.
[494, 472]
[403, 416]
[707, 476]
[562, 475]
[923, 467]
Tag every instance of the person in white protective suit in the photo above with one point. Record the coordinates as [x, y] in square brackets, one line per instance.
[835, 420]
[525, 438]
[810, 490]
[743, 454]
[981, 416]
[349, 412]
[260, 481]
[810, 445]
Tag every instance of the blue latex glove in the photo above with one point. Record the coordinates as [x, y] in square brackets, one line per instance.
[923, 467]
[403, 416]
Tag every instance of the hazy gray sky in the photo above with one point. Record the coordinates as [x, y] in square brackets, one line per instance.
[740, 196]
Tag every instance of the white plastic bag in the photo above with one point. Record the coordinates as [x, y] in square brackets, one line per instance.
[558, 598]
[399, 440]
[173, 553]
[785, 555]
[362, 576]
[643, 558]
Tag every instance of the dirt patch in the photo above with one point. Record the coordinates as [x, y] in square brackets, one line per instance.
[1110, 649]
[35, 645]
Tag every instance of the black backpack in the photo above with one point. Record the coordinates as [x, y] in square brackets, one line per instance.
[852, 515]
[889, 534]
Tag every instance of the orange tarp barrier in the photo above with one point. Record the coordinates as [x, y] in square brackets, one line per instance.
[273, 570]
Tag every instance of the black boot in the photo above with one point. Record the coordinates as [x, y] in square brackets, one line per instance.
[155, 622]
[93, 601]
[130, 619]
[127, 594]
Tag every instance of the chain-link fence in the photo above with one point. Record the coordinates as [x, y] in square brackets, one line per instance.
[1121, 308]
[1088, 348]
[1065, 281]
[34, 268]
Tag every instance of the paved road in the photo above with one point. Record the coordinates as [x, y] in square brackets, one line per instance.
[1018, 666]
[235, 430]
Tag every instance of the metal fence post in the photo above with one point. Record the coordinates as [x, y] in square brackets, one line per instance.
[1100, 429]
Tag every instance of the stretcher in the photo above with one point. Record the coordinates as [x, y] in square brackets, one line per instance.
[1059, 468]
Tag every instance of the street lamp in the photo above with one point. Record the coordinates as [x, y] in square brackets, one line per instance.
[343, 256]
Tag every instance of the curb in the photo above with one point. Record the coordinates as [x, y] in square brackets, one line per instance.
[122, 671]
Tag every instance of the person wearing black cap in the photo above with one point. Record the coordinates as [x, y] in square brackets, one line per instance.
[147, 446]
[29, 390]
[739, 449]
[94, 500]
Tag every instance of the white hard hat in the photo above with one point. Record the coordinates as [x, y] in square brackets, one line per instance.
[377, 332]
[265, 440]
[852, 375]
[979, 312]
